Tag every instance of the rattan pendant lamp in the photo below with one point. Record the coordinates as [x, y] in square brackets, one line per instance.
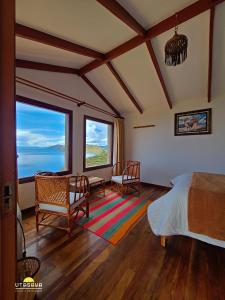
[176, 48]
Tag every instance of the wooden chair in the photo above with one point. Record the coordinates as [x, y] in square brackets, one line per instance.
[55, 197]
[130, 177]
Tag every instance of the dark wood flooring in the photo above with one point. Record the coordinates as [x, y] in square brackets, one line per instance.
[87, 267]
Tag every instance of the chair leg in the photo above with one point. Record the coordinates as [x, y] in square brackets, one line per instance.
[122, 190]
[103, 186]
[87, 209]
[69, 225]
[111, 187]
[37, 221]
[139, 188]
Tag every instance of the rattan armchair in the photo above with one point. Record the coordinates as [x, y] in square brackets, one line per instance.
[129, 178]
[55, 197]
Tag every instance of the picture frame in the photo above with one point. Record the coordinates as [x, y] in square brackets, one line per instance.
[193, 122]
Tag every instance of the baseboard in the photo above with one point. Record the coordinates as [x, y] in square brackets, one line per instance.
[163, 187]
[27, 212]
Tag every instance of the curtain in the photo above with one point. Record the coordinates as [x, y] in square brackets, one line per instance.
[119, 142]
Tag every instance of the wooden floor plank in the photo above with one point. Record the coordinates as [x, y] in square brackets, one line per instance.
[88, 267]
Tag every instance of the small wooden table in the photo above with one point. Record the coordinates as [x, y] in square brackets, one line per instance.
[93, 182]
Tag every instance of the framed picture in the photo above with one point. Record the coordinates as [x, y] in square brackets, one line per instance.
[193, 122]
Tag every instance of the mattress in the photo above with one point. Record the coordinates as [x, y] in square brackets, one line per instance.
[168, 215]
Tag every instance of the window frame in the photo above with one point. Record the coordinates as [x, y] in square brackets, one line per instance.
[85, 169]
[52, 107]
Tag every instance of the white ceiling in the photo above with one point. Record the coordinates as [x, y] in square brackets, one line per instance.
[34, 51]
[104, 80]
[85, 22]
[88, 23]
[190, 79]
[138, 72]
[151, 12]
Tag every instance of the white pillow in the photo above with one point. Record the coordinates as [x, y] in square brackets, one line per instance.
[181, 179]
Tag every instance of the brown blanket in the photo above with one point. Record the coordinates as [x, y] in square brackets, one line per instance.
[206, 205]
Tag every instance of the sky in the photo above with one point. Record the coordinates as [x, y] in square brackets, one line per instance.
[40, 127]
[96, 133]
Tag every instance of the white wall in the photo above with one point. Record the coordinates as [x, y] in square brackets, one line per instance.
[70, 85]
[164, 155]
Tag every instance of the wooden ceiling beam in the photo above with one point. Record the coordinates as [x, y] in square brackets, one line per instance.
[47, 39]
[93, 87]
[183, 15]
[27, 64]
[124, 87]
[211, 30]
[158, 71]
[121, 13]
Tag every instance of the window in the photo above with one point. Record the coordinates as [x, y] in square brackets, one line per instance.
[44, 138]
[98, 143]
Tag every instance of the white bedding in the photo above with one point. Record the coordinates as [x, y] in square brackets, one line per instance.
[168, 215]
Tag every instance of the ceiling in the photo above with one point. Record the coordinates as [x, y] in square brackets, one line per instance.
[90, 24]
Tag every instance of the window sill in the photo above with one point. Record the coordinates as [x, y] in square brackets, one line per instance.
[96, 167]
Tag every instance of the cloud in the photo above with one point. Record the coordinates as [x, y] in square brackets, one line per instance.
[96, 133]
[29, 138]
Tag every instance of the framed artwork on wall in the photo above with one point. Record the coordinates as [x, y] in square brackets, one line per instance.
[193, 122]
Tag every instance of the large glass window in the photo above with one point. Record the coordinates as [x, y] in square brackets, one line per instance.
[98, 143]
[43, 138]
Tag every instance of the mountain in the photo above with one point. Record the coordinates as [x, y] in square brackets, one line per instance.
[57, 147]
[94, 149]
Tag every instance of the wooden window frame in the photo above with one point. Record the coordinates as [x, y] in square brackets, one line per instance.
[86, 169]
[52, 107]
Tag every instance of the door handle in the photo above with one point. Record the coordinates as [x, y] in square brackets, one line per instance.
[7, 197]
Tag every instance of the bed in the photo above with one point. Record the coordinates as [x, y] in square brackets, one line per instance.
[168, 215]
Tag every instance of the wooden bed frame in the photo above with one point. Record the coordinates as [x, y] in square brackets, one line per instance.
[163, 241]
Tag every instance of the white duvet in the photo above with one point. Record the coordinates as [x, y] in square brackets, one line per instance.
[168, 215]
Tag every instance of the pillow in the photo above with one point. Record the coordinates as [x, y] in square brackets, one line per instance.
[180, 179]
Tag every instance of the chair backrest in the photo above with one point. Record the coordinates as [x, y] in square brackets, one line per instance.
[118, 168]
[52, 190]
[81, 186]
[132, 168]
[46, 173]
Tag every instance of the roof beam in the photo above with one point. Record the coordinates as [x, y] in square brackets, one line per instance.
[183, 15]
[121, 13]
[93, 87]
[27, 64]
[47, 39]
[211, 29]
[158, 71]
[124, 87]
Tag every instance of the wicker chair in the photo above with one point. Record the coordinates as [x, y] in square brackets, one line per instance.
[55, 197]
[128, 179]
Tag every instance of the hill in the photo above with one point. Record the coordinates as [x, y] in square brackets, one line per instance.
[57, 147]
[94, 149]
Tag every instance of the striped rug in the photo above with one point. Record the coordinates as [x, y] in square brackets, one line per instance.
[112, 216]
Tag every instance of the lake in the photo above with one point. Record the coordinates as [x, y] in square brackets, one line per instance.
[33, 159]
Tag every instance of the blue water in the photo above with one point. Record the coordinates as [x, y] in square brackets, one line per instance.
[33, 159]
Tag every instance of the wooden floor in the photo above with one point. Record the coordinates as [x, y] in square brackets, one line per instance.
[87, 267]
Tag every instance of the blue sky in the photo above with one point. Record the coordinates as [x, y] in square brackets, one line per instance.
[96, 133]
[39, 127]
